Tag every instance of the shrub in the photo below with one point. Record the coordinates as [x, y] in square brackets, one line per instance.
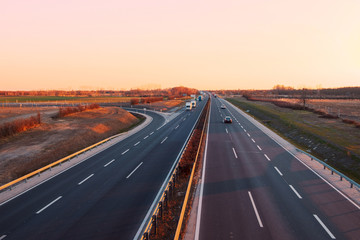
[17, 126]
[64, 111]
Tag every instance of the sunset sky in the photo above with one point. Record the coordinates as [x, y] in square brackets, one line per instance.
[205, 44]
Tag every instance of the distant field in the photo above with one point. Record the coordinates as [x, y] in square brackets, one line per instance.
[38, 99]
[343, 108]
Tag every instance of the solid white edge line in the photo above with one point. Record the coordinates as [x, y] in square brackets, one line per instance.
[146, 137]
[109, 163]
[296, 192]
[278, 171]
[255, 210]
[85, 179]
[259, 147]
[323, 225]
[57, 199]
[125, 151]
[136, 143]
[162, 188]
[267, 157]
[235, 153]
[317, 174]
[134, 170]
[163, 140]
[198, 216]
[2, 237]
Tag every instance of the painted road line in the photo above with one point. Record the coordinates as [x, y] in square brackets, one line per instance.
[163, 140]
[267, 157]
[248, 134]
[226, 130]
[278, 171]
[323, 225]
[253, 140]
[184, 119]
[146, 137]
[259, 147]
[294, 190]
[235, 153]
[255, 210]
[136, 143]
[2, 237]
[57, 199]
[109, 163]
[151, 133]
[125, 151]
[241, 125]
[177, 126]
[134, 170]
[85, 179]
[244, 130]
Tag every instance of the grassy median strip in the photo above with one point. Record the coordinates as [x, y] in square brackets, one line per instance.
[334, 142]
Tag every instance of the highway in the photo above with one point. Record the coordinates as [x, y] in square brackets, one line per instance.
[252, 188]
[106, 196]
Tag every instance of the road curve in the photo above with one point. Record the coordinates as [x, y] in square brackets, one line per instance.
[106, 196]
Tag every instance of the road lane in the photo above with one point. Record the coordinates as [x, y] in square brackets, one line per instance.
[108, 204]
[286, 203]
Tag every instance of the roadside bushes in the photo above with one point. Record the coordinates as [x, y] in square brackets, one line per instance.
[11, 128]
[145, 100]
[64, 111]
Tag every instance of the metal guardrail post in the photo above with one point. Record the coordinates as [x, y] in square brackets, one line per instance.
[146, 236]
[154, 223]
[160, 209]
[166, 198]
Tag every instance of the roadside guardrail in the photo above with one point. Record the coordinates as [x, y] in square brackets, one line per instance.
[333, 170]
[9, 185]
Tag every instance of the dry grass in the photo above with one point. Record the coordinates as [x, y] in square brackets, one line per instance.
[57, 138]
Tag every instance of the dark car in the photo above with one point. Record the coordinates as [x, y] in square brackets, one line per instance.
[223, 107]
[227, 119]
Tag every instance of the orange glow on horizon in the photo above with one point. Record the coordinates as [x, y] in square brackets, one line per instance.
[203, 44]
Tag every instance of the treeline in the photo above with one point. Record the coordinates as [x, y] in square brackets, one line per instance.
[64, 111]
[176, 91]
[281, 91]
[11, 128]
[145, 100]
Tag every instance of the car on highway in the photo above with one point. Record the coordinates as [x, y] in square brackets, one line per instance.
[223, 107]
[227, 119]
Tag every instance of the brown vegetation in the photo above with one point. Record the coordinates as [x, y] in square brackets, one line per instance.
[11, 128]
[176, 91]
[64, 111]
[56, 138]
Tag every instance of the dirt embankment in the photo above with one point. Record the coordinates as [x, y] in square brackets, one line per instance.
[57, 138]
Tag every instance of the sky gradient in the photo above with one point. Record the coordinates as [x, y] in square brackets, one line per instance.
[233, 44]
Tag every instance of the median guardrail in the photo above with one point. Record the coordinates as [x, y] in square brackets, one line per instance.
[168, 191]
[333, 170]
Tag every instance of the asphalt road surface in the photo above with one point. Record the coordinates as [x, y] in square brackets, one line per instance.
[255, 189]
[106, 196]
